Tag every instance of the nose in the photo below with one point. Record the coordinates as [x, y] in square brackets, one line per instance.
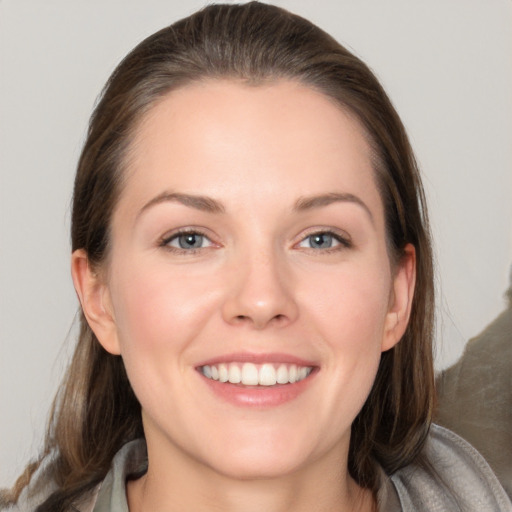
[260, 293]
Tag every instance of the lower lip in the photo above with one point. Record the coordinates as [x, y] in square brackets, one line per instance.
[258, 396]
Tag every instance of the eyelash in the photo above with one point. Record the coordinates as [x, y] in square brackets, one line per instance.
[343, 242]
[166, 240]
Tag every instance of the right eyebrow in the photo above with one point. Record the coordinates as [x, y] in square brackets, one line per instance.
[203, 203]
[307, 203]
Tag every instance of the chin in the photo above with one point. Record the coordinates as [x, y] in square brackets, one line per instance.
[262, 457]
[257, 467]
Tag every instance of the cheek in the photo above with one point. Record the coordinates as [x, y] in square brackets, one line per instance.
[159, 314]
[349, 311]
[158, 308]
[344, 316]
[350, 304]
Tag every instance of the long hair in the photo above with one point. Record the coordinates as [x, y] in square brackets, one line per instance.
[96, 411]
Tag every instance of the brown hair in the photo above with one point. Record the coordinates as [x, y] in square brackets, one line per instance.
[96, 411]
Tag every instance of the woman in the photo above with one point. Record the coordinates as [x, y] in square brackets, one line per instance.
[252, 257]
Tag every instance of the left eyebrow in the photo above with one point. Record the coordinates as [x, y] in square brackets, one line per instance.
[203, 203]
[307, 203]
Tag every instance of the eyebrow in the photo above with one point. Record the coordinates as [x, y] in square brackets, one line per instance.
[307, 203]
[203, 203]
[210, 205]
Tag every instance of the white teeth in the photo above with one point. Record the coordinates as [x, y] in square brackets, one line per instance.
[267, 375]
[223, 373]
[302, 373]
[282, 374]
[235, 375]
[250, 374]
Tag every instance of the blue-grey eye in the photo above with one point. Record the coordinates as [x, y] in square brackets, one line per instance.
[188, 241]
[320, 241]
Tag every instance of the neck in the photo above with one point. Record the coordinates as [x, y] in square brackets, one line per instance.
[321, 486]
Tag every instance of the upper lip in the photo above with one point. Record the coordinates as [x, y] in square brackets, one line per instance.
[249, 357]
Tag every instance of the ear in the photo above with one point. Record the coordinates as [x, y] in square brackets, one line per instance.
[400, 301]
[94, 297]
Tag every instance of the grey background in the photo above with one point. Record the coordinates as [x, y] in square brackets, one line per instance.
[447, 65]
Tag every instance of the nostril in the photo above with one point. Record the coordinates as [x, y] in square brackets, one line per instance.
[244, 318]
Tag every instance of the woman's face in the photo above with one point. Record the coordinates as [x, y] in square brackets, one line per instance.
[249, 244]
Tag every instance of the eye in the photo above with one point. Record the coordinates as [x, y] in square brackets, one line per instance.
[187, 241]
[324, 240]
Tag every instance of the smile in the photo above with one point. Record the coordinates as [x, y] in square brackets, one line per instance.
[250, 374]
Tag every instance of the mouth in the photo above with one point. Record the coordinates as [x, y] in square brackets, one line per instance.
[261, 381]
[251, 374]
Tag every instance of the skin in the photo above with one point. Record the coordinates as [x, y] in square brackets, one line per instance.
[257, 285]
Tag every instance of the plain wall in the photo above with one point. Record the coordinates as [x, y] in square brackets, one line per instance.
[447, 66]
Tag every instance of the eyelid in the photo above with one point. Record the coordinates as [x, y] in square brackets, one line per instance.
[344, 239]
[165, 240]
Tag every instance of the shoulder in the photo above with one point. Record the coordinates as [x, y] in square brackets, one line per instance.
[129, 462]
[40, 486]
[108, 496]
[451, 475]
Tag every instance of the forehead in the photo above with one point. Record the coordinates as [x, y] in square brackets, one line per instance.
[211, 134]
